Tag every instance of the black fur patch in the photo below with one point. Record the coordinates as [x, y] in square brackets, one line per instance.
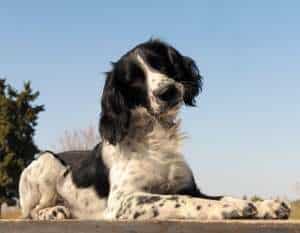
[54, 213]
[161, 204]
[173, 198]
[138, 214]
[67, 171]
[193, 191]
[61, 210]
[140, 200]
[121, 210]
[155, 212]
[88, 169]
[177, 205]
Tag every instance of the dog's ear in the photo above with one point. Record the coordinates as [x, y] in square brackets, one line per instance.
[187, 73]
[192, 81]
[115, 114]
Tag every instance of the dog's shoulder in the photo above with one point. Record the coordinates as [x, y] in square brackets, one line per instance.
[88, 169]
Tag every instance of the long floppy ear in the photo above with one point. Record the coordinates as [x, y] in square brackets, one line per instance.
[115, 114]
[187, 73]
[192, 81]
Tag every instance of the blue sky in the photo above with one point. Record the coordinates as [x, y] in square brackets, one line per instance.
[244, 134]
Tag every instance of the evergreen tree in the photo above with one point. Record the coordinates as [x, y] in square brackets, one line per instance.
[18, 118]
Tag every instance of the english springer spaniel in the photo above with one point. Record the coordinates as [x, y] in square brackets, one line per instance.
[138, 170]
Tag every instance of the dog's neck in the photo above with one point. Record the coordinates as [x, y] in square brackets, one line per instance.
[154, 133]
[148, 136]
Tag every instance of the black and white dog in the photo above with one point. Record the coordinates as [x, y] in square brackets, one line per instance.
[138, 170]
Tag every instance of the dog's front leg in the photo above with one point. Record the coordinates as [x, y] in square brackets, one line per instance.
[140, 206]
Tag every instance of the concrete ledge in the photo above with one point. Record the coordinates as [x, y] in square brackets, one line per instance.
[21, 226]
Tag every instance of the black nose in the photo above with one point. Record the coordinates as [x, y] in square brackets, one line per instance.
[171, 95]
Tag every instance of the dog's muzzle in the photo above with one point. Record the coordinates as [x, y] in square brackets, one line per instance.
[171, 95]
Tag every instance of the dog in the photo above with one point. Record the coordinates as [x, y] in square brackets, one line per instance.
[137, 171]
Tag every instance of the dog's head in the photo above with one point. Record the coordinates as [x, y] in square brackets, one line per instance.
[153, 75]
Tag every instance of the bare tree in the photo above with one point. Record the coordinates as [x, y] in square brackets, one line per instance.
[78, 139]
[297, 188]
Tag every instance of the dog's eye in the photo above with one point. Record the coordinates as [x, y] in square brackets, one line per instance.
[136, 75]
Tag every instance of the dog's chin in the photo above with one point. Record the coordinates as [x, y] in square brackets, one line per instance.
[161, 110]
[167, 115]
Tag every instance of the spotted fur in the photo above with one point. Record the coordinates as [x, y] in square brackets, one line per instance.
[138, 171]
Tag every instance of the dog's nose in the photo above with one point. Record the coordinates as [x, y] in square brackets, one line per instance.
[170, 94]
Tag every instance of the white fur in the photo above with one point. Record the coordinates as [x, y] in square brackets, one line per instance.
[83, 203]
[144, 166]
[37, 185]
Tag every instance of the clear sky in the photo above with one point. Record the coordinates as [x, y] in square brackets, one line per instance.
[244, 134]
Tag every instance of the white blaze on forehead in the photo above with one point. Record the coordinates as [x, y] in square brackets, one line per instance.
[155, 79]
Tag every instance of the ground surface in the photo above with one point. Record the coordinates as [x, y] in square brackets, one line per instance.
[19, 226]
[295, 210]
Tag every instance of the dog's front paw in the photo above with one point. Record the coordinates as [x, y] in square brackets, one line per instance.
[241, 209]
[238, 208]
[273, 209]
[54, 213]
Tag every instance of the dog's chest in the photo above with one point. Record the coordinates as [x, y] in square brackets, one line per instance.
[150, 163]
[156, 171]
[150, 176]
